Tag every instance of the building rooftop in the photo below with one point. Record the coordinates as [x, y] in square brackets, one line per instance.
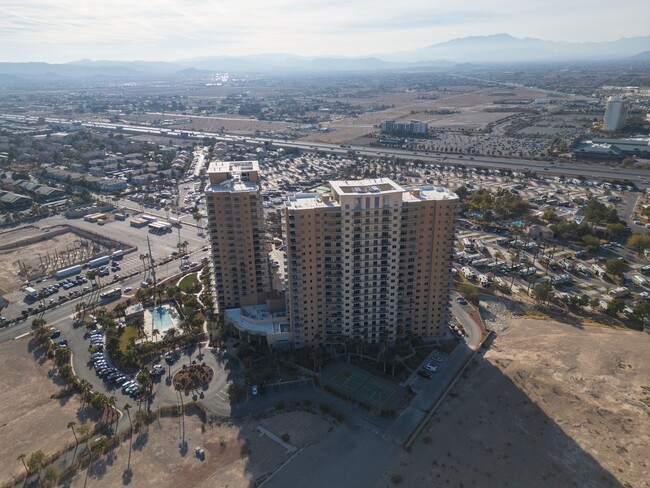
[369, 187]
[311, 200]
[257, 319]
[231, 186]
[233, 166]
[428, 192]
[364, 187]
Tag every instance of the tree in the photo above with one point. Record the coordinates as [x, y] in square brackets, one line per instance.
[543, 292]
[595, 303]
[470, 292]
[22, 457]
[642, 310]
[71, 425]
[639, 242]
[127, 409]
[616, 230]
[50, 477]
[592, 242]
[615, 267]
[35, 461]
[615, 306]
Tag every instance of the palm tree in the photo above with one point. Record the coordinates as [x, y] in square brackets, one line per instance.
[85, 387]
[171, 333]
[196, 215]
[84, 432]
[22, 457]
[145, 261]
[127, 408]
[71, 425]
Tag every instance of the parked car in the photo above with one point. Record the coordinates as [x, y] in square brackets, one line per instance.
[422, 373]
[158, 370]
[431, 368]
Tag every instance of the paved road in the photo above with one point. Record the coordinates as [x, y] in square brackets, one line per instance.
[161, 247]
[429, 391]
[575, 169]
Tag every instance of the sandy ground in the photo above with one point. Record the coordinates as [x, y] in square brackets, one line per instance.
[235, 454]
[29, 419]
[231, 124]
[30, 255]
[548, 405]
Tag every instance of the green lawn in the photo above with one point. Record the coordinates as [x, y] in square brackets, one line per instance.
[128, 334]
[188, 282]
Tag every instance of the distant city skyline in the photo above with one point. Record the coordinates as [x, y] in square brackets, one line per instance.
[167, 30]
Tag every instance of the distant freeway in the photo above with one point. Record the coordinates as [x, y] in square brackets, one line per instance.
[569, 169]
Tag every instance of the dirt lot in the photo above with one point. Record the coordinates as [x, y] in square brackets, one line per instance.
[29, 255]
[230, 124]
[549, 405]
[29, 419]
[235, 454]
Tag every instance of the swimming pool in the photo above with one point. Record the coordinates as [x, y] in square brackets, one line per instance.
[161, 318]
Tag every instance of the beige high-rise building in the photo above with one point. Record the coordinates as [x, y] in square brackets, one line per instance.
[369, 261]
[236, 223]
[615, 114]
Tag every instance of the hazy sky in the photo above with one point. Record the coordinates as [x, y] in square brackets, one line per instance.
[67, 30]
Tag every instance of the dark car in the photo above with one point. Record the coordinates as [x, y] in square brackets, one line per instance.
[422, 373]
[170, 360]
[63, 343]
[55, 333]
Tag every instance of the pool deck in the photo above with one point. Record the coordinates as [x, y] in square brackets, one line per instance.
[149, 322]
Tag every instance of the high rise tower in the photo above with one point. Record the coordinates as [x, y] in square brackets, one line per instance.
[615, 114]
[236, 223]
[369, 261]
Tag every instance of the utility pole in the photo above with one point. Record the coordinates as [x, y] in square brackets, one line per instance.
[152, 270]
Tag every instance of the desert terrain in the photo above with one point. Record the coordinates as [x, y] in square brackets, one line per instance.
[30, 418]
[548, 404]
[236, 453]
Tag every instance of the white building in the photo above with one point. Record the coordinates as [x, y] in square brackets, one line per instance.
[615, 114]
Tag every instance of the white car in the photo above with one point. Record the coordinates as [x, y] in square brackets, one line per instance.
[128, 288]
[431, 368]
[158, 369]
[644, 294]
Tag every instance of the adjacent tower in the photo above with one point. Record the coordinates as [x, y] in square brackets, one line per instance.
[615, 114]
[369, 261]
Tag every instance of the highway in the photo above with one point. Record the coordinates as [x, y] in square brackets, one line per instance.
[570, 169]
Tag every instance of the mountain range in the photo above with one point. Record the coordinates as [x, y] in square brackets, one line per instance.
[498, 48]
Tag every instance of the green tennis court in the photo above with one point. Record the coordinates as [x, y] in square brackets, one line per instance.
[363, 386]
[375, 393]
[350, 379]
